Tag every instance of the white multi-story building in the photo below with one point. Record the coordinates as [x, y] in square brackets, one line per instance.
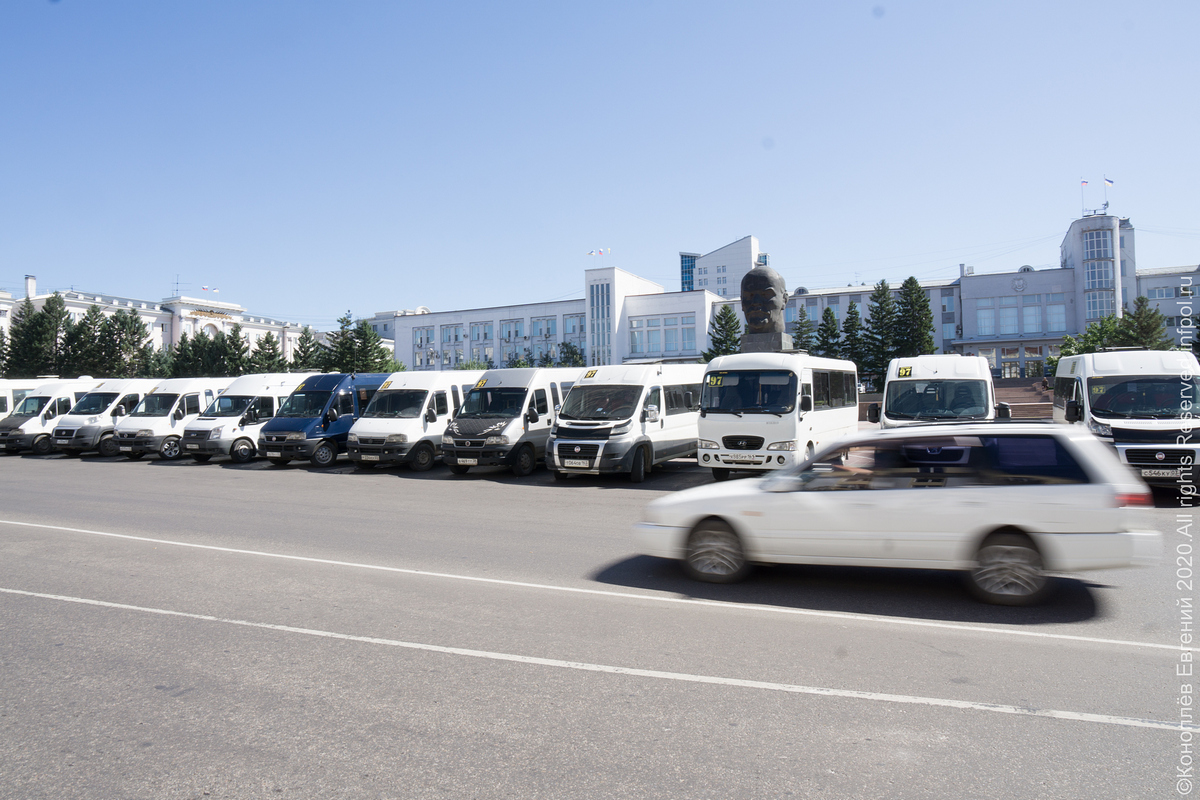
[722, 270]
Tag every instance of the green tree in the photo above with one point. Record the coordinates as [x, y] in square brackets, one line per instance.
[3, 353]
[267, 356]
[828, 337]
[854, 337]
[570, 356]
[804, 332]
[154, 363]
[1104, 332]
[85, 346]
[1145, 327]
[340, 351]
[370, 355]
[546, 359]
[524, 361]
[56, 326]
[236, 352]
[308, 354]
[881, 333]
[26, 358]
[126, 345]
[474, 365]
[914, 321]
[725, 335]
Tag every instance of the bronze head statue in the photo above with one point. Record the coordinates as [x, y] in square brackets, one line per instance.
[763, 299]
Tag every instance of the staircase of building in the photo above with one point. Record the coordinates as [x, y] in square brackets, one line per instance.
[1025, 396]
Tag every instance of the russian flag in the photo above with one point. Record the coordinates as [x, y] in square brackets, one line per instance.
[1107, 182]
[1083, 183]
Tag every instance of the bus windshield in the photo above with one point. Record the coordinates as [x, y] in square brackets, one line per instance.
[398, 404]
[1143, 397]
[155, 405]
[601, 402]
[749, 391]
[936, 399]
[303, 405]
[498, 403]
[30, 406]
[94, 403]
[229, 406]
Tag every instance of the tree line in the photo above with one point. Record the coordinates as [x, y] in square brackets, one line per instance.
[47, 341]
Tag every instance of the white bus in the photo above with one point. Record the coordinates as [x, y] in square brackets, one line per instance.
[1142, 402]
[932, 389]
[764, 411]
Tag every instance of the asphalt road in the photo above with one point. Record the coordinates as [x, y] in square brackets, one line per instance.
[178, 630]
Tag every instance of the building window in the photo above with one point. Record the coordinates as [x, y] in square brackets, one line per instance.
[1099, 304]
[1098, 275]
[1032, 321]
[670, 340]
[947, 303]
[687, 333]
[1097, 244]
[985, 316]
[544, 326]
[481, 331]
[948, 331]
[1056, 318]
[572, 324]
[990, 354]
[1008, 319]
[512, 329]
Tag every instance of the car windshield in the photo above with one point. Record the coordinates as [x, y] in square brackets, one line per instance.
[226, 406]
[936, 399]
[305, 404]
[397, 404]
[1143, 397]
[94, 403]
[498, 403]
[749, 391]
[30, 406]
[155, 405]
[601, 402]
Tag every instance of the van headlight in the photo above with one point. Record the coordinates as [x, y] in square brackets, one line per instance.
[1100, 429]
[622, 427]
[145, 433]
[215, 433]
[707, 444]
[93, 420]
[496, 440]
[781, 446]
[295, 436]
[397, 438]
[447, 439]
[352, 438]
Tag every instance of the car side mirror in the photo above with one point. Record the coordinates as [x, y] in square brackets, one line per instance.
[119, 411]
[49, 414]
[873, 412]
[249, 418]
[1074, 412]
[532, 415]
[650, 414]
[431, 414]
[333, 415]
[806, 402]
[178, 415]
[1003, 411]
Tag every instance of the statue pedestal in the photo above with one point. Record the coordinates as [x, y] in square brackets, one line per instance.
[766, 342]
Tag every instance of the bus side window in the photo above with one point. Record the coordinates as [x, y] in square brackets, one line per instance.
[266, 407]
[820, 389]
[454, 397]
[191, 404]
[439, 403]
[539, 399]
[554, 394]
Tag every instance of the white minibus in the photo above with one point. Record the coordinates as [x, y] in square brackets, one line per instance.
[158, 422]
[12, 392]
[937, 389]
[231, 423]
[31, 423]
[764, 411]
[92, 421]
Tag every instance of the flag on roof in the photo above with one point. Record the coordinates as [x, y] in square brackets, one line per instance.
[204, 288]
[1083, 183]
[1107, 182]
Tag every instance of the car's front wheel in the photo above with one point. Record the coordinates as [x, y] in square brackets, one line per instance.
[422, 459]
[243, 450]
[1008, 571]
[324, 455]
[714, 554]
[720, 474]
[169, 449]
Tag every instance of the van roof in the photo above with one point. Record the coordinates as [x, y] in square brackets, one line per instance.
[792, 361]
[332, 381]
[941, 366]
[527, 376]
[644, 374]
[1130, 362]
[431, 379]
[267, 381]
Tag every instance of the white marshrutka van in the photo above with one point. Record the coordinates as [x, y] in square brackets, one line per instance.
[406, 418]
[1142, 402]
[764, 411]
[506, 419]
[92, 422]
[230, 424]
[31, 423]
[12, 392]
[938, 388]
[626, 419]
[158, 422]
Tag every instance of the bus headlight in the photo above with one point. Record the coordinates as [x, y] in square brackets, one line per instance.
[707, 444]
[296, 436]
[215, 433]
[396, 438]
[1100, 429]
[782, 446]
[447, 439]
[496, 440]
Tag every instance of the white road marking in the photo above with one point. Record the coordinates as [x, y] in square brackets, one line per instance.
[1073, 716]
[804, 612]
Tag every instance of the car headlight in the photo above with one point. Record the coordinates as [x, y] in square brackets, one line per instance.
[352, 438]
[1100, 429]
[296, 436]
[622, 427]
[781, 446]
[707, 444]
[93, 420]
[554, 430]
[144, 432]
[447, 439]
[215, 433]
[496, 440]
[396, 438]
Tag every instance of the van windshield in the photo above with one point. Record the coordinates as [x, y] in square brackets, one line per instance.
[498, 403]
[936, 399]
[226, 406]
[30, 406]
[601, 402]
[94, 403]
[749, 391]
[1143, 397]
[155, 405]
[305, 404]
[398, 404]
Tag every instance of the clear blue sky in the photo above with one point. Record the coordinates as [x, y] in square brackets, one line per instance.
[313, 157]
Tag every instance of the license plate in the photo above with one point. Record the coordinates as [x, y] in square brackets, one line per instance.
[370, 458]
[740, 457]
[125, 449]
[193, 447]
[1160, 473]
[274, 455]
[62, 441]
[468, 462]
[576, 462]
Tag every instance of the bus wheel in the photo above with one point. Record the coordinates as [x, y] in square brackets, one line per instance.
[720, 474]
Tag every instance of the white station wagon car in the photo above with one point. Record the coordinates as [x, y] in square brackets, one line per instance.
[1005, 503]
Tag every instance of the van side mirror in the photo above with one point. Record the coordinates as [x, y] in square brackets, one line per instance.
[650, 414]
[119, 411]
[1074, 412]
[250, 417]
[178, 415]
[1003, 411]
[49, 413]
[806, 402]
[333, 415]
[431, 414]
[873, 412]
[532, 415]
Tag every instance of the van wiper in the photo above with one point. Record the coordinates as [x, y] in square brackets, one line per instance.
[760, 410]
[721, 411]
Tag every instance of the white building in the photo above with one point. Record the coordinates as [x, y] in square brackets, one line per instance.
[720, 271]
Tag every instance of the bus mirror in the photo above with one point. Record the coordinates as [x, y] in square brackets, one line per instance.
[119, 411]
[806, 403]
[333, 415]
[1074, 413]
[873, 412]
[532, 415]
[431, 414]
[1003, 411]
[178, 415]
[650, 414]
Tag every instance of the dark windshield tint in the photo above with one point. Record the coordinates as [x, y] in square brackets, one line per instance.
[226, 406]
[305, 404]
[1148, 397]
[94, 403]
[31, 406]
[936, 399]
[753, 391]
[398, 404]
[155, 405]
[601, 402]
[499, 403]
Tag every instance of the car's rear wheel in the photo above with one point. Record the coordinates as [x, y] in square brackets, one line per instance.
[43, 446]
[714, 553]
[525, 463]
[1008, 571]
[720, 474]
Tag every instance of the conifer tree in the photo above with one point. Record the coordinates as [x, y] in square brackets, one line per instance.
[1145, 327]
[24, 357]
[914, 321]
[340, 349]
[725, 335]
[828, 343]
[3, 353]
[308, 354]
[881, 333]
[267, 356]
[125, 345]
[804, 332]
[236, 352]
[369, 353]
[570, 356]
[854, 339]
[84, 347]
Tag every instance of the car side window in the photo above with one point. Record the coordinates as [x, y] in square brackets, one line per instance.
[439, 402]
[64, 405]
[266, 407]
[654, 398]
[130, 402]
[454, 397]
[191, 404]
[345, 404]
[539, 400]
[1028, 459]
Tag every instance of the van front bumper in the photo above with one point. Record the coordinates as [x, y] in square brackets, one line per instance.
[590, 457]
[296, 448]
[745, 459]
[132, 444]
[496, 455]
[85, 438]
[15, 440]
[205, 446]
[378, 451]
